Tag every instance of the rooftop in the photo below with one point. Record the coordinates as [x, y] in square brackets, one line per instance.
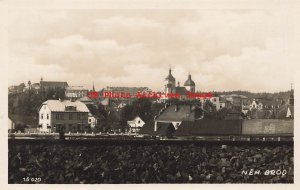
[59, 106]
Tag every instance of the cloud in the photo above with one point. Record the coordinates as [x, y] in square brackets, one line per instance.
[223, 50]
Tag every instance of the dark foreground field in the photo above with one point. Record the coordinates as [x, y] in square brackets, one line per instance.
[139, 162]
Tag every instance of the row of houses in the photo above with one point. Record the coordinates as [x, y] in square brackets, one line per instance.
[43, 86]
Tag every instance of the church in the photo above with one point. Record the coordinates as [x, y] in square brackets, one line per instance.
[171, 88]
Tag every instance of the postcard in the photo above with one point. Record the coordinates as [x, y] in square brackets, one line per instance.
[147, 94]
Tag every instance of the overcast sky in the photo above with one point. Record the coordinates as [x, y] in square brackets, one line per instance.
[223, 50]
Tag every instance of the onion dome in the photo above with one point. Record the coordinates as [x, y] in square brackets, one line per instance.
[189, 81]
[170, 76]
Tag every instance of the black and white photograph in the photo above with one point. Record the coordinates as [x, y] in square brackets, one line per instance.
[197, 95]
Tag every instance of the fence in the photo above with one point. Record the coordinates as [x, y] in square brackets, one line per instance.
[268, 127]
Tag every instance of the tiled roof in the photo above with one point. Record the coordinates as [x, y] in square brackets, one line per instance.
[209, 127]
[59, 106]
[182, 114]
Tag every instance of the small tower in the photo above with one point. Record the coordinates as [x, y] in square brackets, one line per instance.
[41, 78]
[190, 84]
[93, 87]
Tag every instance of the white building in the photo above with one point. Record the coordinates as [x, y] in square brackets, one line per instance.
[67, 115]
[135, 125]
[76, 91]
[214, 100]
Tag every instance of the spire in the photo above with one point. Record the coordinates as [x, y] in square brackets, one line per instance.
[93, 87]
[41, 78]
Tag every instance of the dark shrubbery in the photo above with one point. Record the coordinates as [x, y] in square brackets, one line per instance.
[149, 164]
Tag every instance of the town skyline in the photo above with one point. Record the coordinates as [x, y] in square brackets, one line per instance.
[136, 48]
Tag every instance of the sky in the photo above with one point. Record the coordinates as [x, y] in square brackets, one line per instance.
[223, 50]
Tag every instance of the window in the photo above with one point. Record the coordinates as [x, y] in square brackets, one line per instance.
[57, 116]
[90, 120]
[70, 116]
[42, 116]
[61, 116]
[47, 116]
[139, 121]
[78, 116]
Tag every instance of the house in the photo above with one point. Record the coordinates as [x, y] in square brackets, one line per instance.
[56, 115]
[175, 114]
[86, 100]
[214, 100]
[130, 90]
[47, 85]
[264, 103]
[16, 89]
[76, 91]
[135, 125]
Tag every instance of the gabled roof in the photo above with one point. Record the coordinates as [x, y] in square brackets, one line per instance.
[59, 106]
[183, 113]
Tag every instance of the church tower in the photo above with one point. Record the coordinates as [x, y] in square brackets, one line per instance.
[190, 84]
[170, 83]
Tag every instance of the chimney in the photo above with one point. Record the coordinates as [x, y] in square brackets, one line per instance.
[178, 84]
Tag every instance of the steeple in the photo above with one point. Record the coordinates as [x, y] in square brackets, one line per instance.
[170, 77]
[93, 87]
